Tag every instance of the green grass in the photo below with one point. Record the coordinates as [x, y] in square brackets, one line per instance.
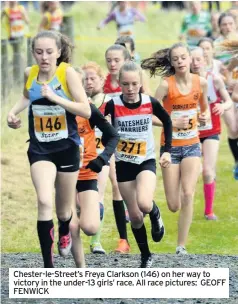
[19, 209]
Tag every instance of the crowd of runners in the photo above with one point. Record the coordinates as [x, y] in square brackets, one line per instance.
[86, 128]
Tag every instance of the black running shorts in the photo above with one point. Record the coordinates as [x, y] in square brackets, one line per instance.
[127, 171]
[84, 185]
[65, 160]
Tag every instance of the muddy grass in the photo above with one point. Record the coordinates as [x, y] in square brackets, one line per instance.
[25, 260]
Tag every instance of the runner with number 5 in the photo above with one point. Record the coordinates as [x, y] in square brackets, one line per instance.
[181, 92]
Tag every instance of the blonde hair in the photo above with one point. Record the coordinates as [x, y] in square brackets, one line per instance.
[96, 67]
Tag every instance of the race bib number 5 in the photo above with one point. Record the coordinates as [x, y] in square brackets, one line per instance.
[49, 123]
[191, 131]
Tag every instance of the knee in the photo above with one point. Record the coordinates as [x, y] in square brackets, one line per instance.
[173, 207]
[136, 220]
[208, 175]
[44, 205]
[173, 204]
[145, 206]
[187, 197]
[90, 228]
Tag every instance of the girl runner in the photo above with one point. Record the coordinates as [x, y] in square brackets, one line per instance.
[93, 84]
[116, 56]
[52, 16]
[129, 43]
[212, 65]
[227, 25]
[125, 17]
[209, 134]
[87, 192]
[231, 117]
[131, 115]
[55, 96]
[17, 17]
[181, 92]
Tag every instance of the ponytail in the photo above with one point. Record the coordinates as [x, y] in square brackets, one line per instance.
[66, 49]
[160, 62]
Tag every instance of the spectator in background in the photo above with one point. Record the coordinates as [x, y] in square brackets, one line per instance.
[172, 4]
[125, 17]
[195, 25]
[234, 11]
[210, 4]
[52, 16]
[17, 17]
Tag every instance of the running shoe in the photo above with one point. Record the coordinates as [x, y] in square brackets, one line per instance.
[146, 261]
[210, 217]
[97, 248]
[123, 246]
[180, 250]
[157, 228]
[65, 244]
[235, 171]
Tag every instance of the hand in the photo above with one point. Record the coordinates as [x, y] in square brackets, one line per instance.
[181, 122]
[13, 121]
[47, 92]
[218, 109]
[95, 165]
[203, 119]
[165, 160]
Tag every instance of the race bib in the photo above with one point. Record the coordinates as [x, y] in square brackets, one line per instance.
[99, 145]
[125, 30]
[193, 33]
[192, 130]
[81, 152]
[133, 151]
[17, 28]
[49, 123]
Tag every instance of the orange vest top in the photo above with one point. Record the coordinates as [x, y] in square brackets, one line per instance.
[87, 148]
[177, 105]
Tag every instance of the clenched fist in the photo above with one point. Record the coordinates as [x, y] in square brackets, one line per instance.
[165, 160]
[47, 92]
[13, 121]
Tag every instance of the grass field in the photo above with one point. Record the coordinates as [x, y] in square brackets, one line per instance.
[19, 209]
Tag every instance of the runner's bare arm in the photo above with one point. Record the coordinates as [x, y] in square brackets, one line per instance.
[203, 102]
[13, 121]
[43, 23]
[225, 97]
[25, 16]
[23, 103]
[235, 94]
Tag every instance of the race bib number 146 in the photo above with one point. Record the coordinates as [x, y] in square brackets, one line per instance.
[50, 123]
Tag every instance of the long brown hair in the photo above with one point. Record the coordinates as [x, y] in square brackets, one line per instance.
[160, 62]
